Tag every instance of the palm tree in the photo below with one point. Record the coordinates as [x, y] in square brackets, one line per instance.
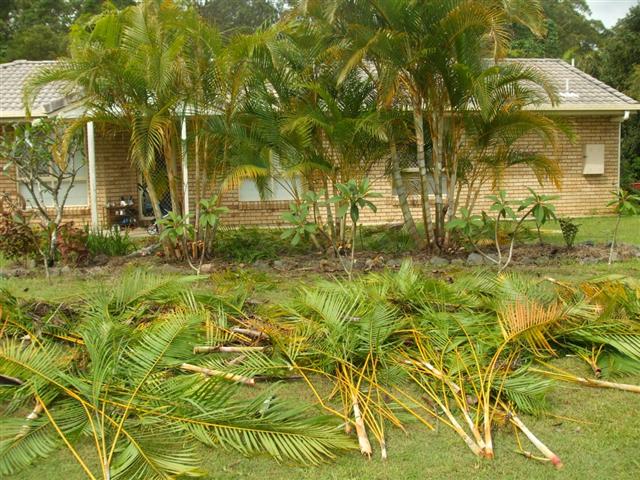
[132, 68]
[427, 56]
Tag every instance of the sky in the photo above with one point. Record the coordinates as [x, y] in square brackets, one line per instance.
[610, 11]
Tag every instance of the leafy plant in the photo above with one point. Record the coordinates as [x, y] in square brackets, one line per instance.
[352, 197]
[624, 203]
[73, 245]
[302, 228]
[569, 229]
[541, 209]
[471, 226]
[113, 242]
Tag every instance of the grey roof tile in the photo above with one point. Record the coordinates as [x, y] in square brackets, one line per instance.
[575, 86]
[583, 89]
[13, 77]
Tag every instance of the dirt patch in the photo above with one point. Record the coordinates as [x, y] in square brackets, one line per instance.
[322, 264]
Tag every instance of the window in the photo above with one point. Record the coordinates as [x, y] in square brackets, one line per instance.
[593, 159]
[278, 189]
[78, 195]
[411, 180]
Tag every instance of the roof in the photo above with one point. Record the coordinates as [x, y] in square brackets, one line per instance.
[13, 77]
[578, 90]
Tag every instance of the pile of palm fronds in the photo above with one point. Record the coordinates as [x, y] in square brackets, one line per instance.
[125, 380]
[144, 370]
[471, 354]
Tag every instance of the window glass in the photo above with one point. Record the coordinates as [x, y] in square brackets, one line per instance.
[79, 193]
[281, 189]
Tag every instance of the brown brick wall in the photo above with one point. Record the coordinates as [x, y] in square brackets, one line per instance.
[580, 195]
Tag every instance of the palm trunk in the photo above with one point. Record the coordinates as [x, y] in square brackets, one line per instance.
[153, 196]
[172, 176]
[422, 167]
[437, 137]
[403, 198]
[197, 180]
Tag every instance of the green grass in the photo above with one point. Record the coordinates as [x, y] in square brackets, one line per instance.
[594, 431]
[597, 229]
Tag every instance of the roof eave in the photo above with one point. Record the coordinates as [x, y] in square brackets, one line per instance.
[21, 114]
[588, 107]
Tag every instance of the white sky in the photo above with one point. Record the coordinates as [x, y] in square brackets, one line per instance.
[610, 11]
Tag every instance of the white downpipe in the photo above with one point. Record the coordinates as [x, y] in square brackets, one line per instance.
[185, 170]
[93, 194]
[625, 117]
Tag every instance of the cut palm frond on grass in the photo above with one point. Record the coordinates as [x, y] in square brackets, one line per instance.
[156, 368]
[121, 390]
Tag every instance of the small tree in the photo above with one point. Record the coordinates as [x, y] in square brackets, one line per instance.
[624, 203]
[189, 242]
[351, 198]
[472, 226]
[43, 156]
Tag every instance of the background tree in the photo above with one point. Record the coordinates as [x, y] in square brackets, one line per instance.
[234, 16]
[44, 157]
[38, 29]
[619, 66]
[569, 33]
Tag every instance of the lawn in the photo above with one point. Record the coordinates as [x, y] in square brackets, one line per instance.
[598, 230]
[594, 431]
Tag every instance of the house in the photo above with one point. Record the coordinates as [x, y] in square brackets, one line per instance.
[590, 165]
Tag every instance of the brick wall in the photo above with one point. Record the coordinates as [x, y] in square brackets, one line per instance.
[581, 195]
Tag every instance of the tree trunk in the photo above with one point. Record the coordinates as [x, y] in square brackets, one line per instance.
[437, 142]
[403, 198]
[422, 167]
[171, 162]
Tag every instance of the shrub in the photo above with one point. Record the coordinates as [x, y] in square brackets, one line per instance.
[249, 244]
[569, 230]
[113, 243]
[72, 245]
[17, 239]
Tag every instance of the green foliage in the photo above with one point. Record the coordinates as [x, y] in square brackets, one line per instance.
[246, 245]
[569, 33]
[569, 229]
[618, 64]
[540, 207]
[469, 225]
[298, 217]
[624, 203]
[73, 244]
[175, 228]
[113, 242]
[117, 385]
[474, 227]
[236, 16]
[353, 196]
[37, 29]
[210, 212]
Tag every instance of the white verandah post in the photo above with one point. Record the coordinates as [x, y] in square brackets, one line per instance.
[93, 195]
[185, 170]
